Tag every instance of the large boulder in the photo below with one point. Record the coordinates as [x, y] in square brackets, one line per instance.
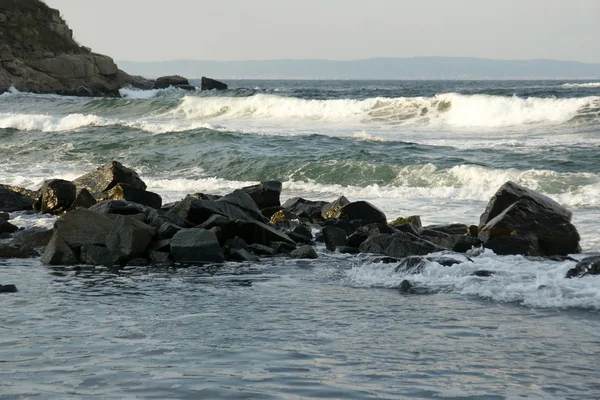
[303, 208]
[398, 245]
[257, 232]
[537, 223]
[265, 194]
[334, 237]
[108, 176]
[362, 210]
[17, 251]
[83, 199]
[119, 207]
[196, 246]
[13, 198]
[130, 237]
[332, 210]
[210, 84]
[58, 252]
[56, 196]
[122, 191]
[173, 80]
[98, 255]
[82, 226]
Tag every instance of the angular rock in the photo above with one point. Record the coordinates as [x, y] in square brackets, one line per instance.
[306, 252]
[242, 255]
[107, 176]
[283, 216]
[129, 236]
[56, 196]
[237, 205]
[466, 243]
[7, 227]
[119, 207]
[413, 220]
[587, 266]
[98, 255]
[57, 252]
[265, 194]
[261, 250]
[398, 245]
[83, 199]
[450, 229]
[526, 245]
[362, 210]
[257, 232]
[34, 237]
[122, 191]
[268, 212]
[308, 209]
[334, 237]
[283, 247]
[196, 246]
[332, 210]
[82, 226]
[14, 199]
[17, 251]
[160, 258]
[210, 84]
[167, 230]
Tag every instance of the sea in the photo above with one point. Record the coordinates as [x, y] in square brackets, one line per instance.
[337, 327]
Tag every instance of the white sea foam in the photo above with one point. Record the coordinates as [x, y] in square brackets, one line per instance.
[582, 85]
[445, 110]
[138, 94]
[48, 123]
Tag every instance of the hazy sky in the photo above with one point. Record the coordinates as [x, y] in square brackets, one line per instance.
[155, 30]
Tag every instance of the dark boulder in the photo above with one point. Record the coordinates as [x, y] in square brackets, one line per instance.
[356, 239]
[547, 229]
[7, 227]
[82, 226]
[98, 255]
[416, 264]
[119, 207]
[196, 246]
[587, 266]
[527, 245]
[413, 220]
[56, 196]
[332, 210]
[83, 199]
[173, 80]
[167, 230]
[235, 206]
[268, 212]
[283, 247]
[450, 229]
[107, 176]
[13, 198]
[265, 194]
[398, 245]
[308, 209]
[334, 237]
[17, 251]
[304, 252]
[126, 192]
[362, 210]
[160, 258]
[261, 250]
[58, 252]
[34, 237]
[257, 232]
[8, 289]
[129, 236]
[210, 84]
[347, 226]
[465, 243]
[242, 255]
[483, 273]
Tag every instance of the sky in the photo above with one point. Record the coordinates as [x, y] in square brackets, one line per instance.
[159, 30]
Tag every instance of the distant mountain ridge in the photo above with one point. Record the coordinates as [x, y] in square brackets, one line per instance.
[372, 68]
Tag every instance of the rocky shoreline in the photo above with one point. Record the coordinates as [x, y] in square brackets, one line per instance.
[39, 55]
[108, 218]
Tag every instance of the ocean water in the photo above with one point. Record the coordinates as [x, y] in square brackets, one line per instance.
[337, 327]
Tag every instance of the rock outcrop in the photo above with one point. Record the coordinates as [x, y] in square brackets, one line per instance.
[210, 84]
[38, 54]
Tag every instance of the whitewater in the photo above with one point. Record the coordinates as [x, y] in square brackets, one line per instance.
[338, 327]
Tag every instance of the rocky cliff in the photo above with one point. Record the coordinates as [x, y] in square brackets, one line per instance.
[38, 54]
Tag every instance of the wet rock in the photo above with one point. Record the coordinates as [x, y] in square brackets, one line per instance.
[167, 230]
[347, 250]
[332, 210]
[7, 227]
[138, 262]
[283, 216]
[235, 206]
[450, 229]
[268, 212]
[13, 198]
[465, 243]
[283, 247]
[118, 207]
[17, 251]
[98, 255]
[298, 238]
[526, 245]
[483, 273]
[357, 238]
[34, 237]
[196, 246]
[242, 255]
[362, 210]
[57, 252]
[265, 194]
[56, 196]
[129, 236]
[304, 252]
[122, 191]
[347, 226]
[257, 232]
[405, 286]
[160, 258]
[416, 264]
[108, 176]
[398, 245]
[163, 245]
[8, 289]
[83, 199]
[174, 80]
[261, 250]
[413, 220]
[211, 84]
[81, 227]
[587, 266]
[303, 208]
[334, 237]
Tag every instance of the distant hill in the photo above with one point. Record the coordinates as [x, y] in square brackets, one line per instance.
[373, 68]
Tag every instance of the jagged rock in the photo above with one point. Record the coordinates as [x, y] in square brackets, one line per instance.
[242, 255]
[236, 205]
[83, 199]
[17, 251]
[167, 230]
[306, 252]
[210, 84]
[82, 226]
[376, 228]
[98, 255]
[298, 238]
[196, 246]
[465, 243]
[163, 245]
[308, 209]
[304, 231]
[34, 237]
[587, 266]
[129, 236]
[413, 220]
[119, 207]
[7, 227]
[356, 239]
[268, 212]
[265, 194]
[122, 191]
[56, 196]
[334, 237]
[174, 80]
[57, 252]
[347, 250]
[156, 218]
[261, 250]
[283, 216]
[332, 210]
[450, 229]
[108, 176]
[283, 247]
[13, 198]
[217, 220]
[440, 238]
[398, 245]
[362, 210]
[347, 226]
[544, 226]
[257, 232]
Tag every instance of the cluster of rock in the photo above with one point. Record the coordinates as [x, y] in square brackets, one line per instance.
[107, 217]
[38, 54]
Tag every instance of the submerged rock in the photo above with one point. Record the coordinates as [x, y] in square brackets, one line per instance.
[210, 84]
[8, 289]
[398, 245]
[587, 266]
